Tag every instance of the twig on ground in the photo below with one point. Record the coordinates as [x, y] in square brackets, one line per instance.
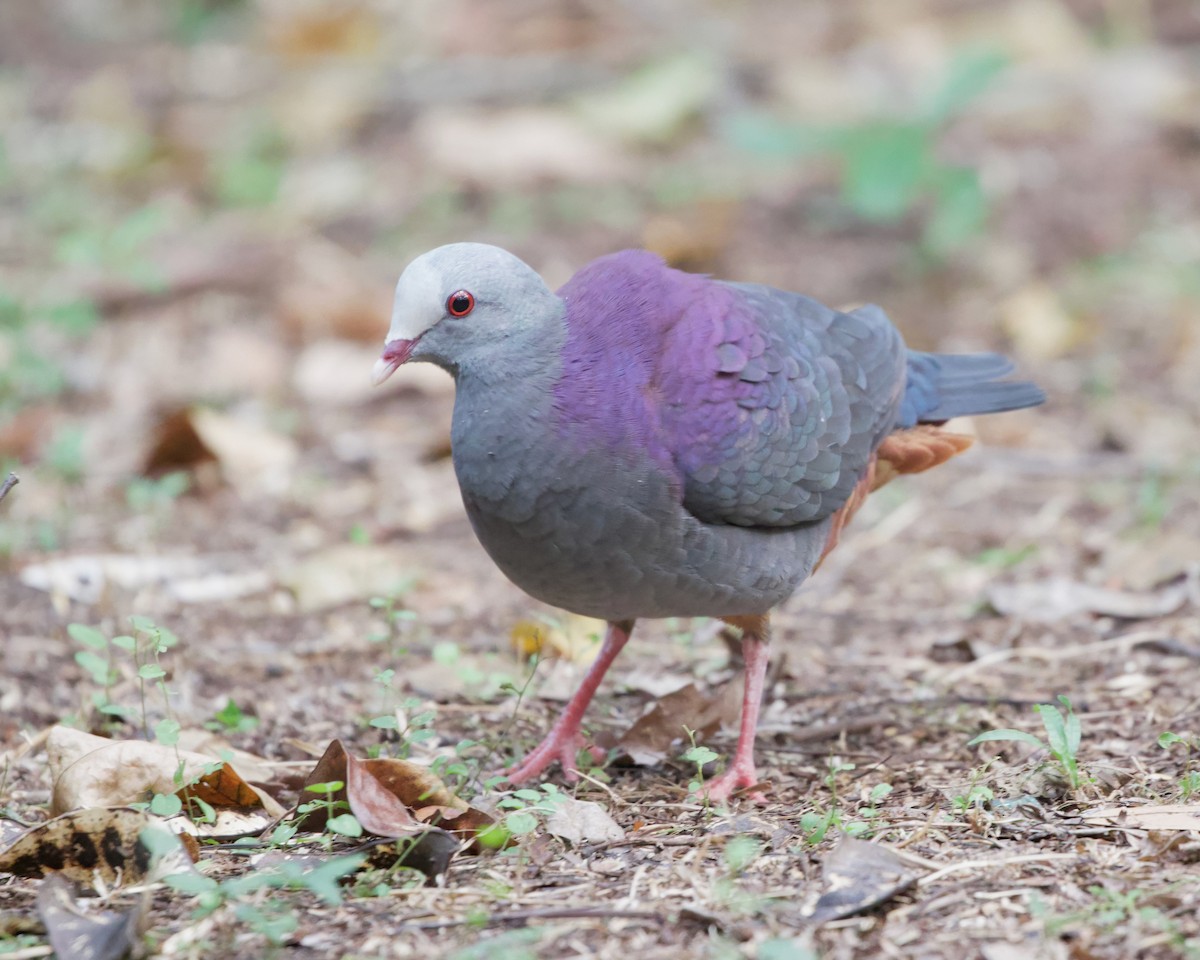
[555, 913]
[9, 482]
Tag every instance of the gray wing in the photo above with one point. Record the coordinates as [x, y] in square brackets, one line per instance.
[777, 403]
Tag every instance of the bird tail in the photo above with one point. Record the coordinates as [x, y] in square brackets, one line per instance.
[942, 386]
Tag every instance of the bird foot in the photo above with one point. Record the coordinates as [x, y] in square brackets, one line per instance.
[562, 746]
[739, 776]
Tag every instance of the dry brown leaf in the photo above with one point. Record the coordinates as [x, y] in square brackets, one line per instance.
[375, 805]
[1165, 816]
[99, 843]
[251, 458]
[660, 733]
[417, 788]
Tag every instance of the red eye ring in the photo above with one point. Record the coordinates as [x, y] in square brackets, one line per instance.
[460, 303]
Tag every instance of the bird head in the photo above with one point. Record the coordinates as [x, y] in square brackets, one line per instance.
[458, 299]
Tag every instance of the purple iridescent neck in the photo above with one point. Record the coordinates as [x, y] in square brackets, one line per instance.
[620, 312]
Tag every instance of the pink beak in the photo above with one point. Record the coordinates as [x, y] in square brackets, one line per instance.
[395, 352]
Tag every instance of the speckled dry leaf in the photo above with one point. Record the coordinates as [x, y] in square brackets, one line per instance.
[91, 935]
[583, 821]
[1166, 816]
[1058, 598]
[111, 844]
[859, 875]
[659, 733]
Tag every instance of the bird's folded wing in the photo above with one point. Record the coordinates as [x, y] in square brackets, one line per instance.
[772, 404]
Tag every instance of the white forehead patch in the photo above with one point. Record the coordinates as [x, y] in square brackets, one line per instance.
[418, 303]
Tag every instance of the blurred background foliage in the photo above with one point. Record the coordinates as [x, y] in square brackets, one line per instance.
[195, 194]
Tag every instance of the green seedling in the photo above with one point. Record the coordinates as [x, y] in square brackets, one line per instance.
[701, 756]
[889, 164]
[1189, 783]
[1062, 738]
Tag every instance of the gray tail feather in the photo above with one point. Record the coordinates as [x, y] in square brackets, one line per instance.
[942, 386]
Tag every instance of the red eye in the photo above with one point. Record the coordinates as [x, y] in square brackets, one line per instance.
[460, 303]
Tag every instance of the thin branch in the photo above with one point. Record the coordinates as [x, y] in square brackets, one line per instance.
[557, 913]
[9, 482]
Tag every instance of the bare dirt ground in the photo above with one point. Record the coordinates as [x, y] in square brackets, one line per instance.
[229, 190]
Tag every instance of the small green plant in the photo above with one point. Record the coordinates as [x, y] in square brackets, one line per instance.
[701, 756]
[231, 718]
[1189, 783]
[1132, 913]
[1005, 558]
[525, 809]
[977, 796]
[270, 919]
[889, 163]
[1062, 738]
[739, 854]
[145, 494]
[816, 823]
[395, 619]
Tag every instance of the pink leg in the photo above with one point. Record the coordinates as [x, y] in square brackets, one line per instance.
[741, 772]
[564, 739]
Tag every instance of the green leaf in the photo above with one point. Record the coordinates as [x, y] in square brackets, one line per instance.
[700, 756]
[766, 137]
[230, 715]
[87, 636]
[191, 883]
[959, 212]
[141, 624]
[885, 164]
[167, 731]
[969, 74]
[1056, 730]
[124, 642]
[1168, 739]
[323, 880]
[166, 805]
[1020, 736]
[332, 786]
[346, 824]
[520, 822]
[76, 317]
[151, 671]
[740, 852]
[95, 665]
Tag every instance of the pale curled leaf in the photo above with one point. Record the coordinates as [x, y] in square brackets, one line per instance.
[582, 821]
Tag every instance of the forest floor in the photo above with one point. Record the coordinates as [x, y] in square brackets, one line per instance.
[203, 208]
